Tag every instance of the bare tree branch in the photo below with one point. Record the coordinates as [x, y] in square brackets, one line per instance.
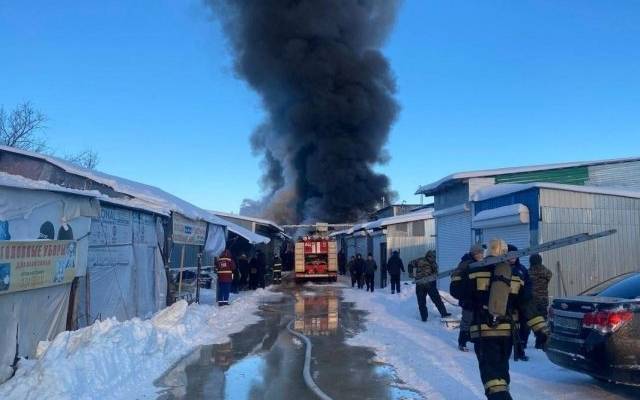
[22, 127]
[87, 159]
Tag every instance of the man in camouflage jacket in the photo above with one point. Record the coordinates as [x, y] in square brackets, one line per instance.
[540, 277]
[426, 276]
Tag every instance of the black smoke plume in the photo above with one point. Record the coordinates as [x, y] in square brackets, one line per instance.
[328, 91]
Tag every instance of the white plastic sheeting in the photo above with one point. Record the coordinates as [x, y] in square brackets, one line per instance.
[33, 315]
[110, 280]
[42, 313]
[216, 240]
[126, 275]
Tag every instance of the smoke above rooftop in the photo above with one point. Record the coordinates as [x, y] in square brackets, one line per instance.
[328, 92]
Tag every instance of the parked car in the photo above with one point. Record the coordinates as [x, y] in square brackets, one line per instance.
[598, 332]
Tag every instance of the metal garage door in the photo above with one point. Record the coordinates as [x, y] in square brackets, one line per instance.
[517, 235]
[453, 238]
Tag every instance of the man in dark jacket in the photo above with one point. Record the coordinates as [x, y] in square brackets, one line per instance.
[342, 262]
[261, 259]
[426, 276]
[383, 274]
[360, 267]
[497, 297]
[351, 266]
[540, 277]
[370, 272]
[524, 331]
[243, 268]
[458, 277]
[395, 267]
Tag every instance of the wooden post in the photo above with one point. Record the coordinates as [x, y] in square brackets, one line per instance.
[71, 309]
[198, 277]
[561, 277]
[87, 295]
[181, 268]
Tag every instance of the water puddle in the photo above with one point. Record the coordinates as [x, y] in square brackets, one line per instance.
[265, 361]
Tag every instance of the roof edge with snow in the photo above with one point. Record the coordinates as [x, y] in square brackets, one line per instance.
[432, 188]
[145, 197]
[504, 189]
[262, 221]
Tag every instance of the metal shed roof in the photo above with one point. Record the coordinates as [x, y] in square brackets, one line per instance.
[252, 237]
[381, 223]
[246, 218]
[508, 188]
[20, 182]
[438, 185]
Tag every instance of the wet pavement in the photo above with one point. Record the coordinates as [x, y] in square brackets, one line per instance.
[265, 361]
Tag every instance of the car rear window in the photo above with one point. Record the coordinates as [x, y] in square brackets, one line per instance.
[624, 287]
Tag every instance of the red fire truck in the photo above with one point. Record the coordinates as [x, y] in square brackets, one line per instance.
[316, 258]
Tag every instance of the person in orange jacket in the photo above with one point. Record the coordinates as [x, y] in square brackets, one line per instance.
[225, 268]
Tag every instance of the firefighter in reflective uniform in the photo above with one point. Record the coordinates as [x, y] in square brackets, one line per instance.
[499, 302]
[277, 270]
[225, 268]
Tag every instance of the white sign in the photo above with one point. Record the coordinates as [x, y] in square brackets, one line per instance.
[187, 231]
[113, 227]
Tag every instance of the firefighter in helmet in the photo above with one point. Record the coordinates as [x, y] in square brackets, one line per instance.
[499, 303]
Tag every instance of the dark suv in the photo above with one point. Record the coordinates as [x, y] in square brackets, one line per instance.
[598, 332]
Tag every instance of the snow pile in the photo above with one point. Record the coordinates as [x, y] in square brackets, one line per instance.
[121, 360]
[426, 357]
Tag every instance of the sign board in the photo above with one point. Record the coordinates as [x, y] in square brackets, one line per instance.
[187, 231]
[113, 227]
[26, 265]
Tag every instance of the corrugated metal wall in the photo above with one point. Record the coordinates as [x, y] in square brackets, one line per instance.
[356, 244]
[518, 235]
[453, 196]
[573, 176]
[410, 247]
[568, 213]
[621, 175]
[453, 239]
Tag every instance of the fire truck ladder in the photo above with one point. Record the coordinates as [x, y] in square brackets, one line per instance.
[550, 245]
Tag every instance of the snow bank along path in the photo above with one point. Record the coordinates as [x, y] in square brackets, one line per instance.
[426, 356]
[121, 360]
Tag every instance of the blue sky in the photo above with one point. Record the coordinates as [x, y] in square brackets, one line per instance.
[482, 84]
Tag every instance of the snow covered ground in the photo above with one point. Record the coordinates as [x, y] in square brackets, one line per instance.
[121, 360]
[426, 357]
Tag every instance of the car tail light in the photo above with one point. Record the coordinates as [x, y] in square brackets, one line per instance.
[606, 321]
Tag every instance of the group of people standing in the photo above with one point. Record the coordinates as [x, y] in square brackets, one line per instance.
[243, 273]
[501, 304]
[362, 271]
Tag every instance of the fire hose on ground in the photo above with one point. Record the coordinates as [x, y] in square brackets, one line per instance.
[306, 372]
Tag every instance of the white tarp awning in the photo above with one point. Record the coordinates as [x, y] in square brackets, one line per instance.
[252, 237]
